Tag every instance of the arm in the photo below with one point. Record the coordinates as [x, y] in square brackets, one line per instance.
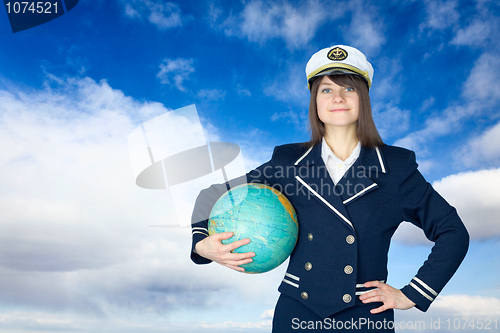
[205, 248]
[211, 248]
[425, 208]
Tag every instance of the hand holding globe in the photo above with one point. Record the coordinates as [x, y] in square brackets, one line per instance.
[213, 249]
[251, 225]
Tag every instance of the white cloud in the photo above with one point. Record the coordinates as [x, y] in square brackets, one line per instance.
[366, 30]
[260, 21]
[214, 13]
[476, 197]
[390, 119]
[481, 85]
[211, 94]
[482, 151]
[164, 15]
[473, 35]
[23, 321]
[409, 234]
[236, 325]
[468, 306]
[440, 14]
[386, 91]
[75, 247]
[255, 148]
[176, 70]
[267, 314]
[290, 116]
[67, 202]
[427, 104]
[243, 91]
[296, 23]
[480, 97]
[131, 12]
[290, 85]
[387, 87]
[482, 29]
[293, 91]
[425, 166]
[450, 313]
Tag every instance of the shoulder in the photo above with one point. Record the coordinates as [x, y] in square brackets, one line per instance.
[395, 152]
[289, 153]
[398, 158]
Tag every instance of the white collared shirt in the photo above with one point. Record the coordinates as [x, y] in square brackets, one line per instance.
[335, 166]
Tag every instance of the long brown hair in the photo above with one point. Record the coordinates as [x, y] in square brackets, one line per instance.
[366, 130]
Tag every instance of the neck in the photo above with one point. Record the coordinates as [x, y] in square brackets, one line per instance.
[341, 140]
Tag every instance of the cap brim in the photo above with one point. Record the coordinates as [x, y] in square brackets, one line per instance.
[335, 71]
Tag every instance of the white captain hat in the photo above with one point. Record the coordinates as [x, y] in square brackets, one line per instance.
[339, 59]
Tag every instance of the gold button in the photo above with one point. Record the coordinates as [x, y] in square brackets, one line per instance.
[304, 295]
[348, 269]
[308, 266]
[340, 165]
[310, 237]
[347, 298]
[349, 239]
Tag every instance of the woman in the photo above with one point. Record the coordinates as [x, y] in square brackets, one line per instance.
[350, 192]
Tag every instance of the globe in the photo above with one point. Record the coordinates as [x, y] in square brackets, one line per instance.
[264, 215]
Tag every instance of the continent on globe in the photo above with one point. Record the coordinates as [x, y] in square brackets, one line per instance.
[264, 215]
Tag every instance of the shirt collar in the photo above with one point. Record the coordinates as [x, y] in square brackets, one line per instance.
[326, 153]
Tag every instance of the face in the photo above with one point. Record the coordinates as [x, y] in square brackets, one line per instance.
[337, 106]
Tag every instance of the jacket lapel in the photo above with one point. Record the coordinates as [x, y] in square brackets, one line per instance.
[313, 175]
[360, 178]
[357, 182]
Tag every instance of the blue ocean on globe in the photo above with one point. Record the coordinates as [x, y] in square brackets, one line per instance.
[262, 214]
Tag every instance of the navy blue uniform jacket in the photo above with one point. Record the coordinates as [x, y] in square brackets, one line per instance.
[345, 230]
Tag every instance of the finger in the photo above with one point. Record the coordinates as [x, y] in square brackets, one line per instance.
[234, 245]
[223, 235]
[373, 284]
[377, 298]
[369, 294]
[236, 262]
[228, 257]
[379, 309]
[236, 268]
[240, 256]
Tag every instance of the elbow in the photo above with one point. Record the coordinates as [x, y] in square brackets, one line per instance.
[461, 237]
[465, 240]
[460, 242]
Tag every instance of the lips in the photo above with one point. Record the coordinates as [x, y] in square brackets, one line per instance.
[338, 110]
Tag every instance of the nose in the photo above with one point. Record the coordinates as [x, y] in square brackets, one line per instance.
[338, 96]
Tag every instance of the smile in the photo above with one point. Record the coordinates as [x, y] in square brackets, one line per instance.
[338, 110]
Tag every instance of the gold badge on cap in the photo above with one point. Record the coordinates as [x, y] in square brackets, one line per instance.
[337, 54]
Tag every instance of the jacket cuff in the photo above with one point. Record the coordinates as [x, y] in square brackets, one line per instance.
[420, 294]
[198, 235]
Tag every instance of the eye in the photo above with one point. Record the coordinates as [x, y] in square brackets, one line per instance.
[326, 90]
[350, 89]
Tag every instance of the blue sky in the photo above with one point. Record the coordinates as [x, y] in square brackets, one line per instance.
[76, 252]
